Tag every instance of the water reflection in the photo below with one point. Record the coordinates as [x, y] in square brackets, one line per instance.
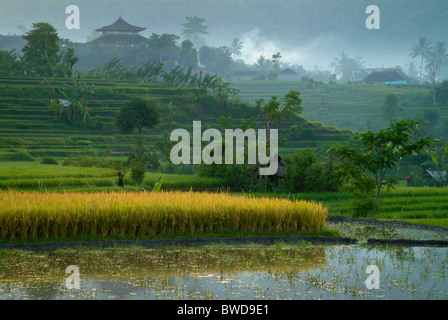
[224, 272]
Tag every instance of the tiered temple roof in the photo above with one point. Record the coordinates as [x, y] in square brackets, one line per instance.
[120, 32]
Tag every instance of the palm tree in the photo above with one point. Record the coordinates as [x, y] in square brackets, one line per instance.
[236, 47]
[437, 58]
[421, 49]
[171, 108]
[411, 70]
[193, 29]
[344, 66]
[438, 55]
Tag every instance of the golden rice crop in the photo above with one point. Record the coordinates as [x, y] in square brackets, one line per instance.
[50, 214]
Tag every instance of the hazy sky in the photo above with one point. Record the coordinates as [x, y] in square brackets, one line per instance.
[315, 31]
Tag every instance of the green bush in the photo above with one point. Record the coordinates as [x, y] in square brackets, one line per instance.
[49, 160]
[149, 155]
[21, 155]
[79, 162]
[362, 207]
[305, 173]
[138, 170]
[236, 176]
[115, 165]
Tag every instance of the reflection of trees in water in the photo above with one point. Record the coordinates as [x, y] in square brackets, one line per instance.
[111, 263]
[118, 272]
[44, 291]
[276, 272]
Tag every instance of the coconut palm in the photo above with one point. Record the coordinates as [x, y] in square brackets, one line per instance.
[421, 50]
[344, 66]
[236, 47]
[194, 29]
[438, 55]
[436, 59]
[411, 70]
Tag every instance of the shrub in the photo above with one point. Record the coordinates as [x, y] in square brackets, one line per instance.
[21, 155]
[305, 173]
[49, 160]
[138, 170]
[149, 155]
[114, 165]
[362, 207]
[234, 175]
[431, 115]
[138, 161]
[79, 162]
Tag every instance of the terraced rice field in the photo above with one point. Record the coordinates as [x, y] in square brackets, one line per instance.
[422, 205]
[348, 106]
[26, 122]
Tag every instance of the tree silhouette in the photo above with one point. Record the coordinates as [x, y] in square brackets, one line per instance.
[137, 114]
[437, 58]
[390, 106]
[188, 55]
[344, 66]
[193, 29]
[236, 47]
[421, 49]
[438, 55]
[41, 50]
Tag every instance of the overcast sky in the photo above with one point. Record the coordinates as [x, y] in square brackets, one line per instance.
[315, 32]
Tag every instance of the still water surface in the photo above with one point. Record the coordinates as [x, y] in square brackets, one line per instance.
[228, 272]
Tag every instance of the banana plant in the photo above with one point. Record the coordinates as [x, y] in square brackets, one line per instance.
[158, 185]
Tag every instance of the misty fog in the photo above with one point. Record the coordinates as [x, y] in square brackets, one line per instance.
[307, 33]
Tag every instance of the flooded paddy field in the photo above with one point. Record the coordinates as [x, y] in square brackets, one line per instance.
[246, 271]
[387, 231]
[228, 272]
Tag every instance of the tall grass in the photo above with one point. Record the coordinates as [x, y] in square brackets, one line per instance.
[34, 214]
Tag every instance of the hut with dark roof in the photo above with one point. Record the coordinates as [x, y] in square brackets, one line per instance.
[120, 33]
[288, 74]
[254, 171]
[245, 75]
[389, 76]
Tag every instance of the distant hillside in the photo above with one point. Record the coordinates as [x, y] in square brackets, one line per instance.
[26, 121]
[12, 42]
[351, 106]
